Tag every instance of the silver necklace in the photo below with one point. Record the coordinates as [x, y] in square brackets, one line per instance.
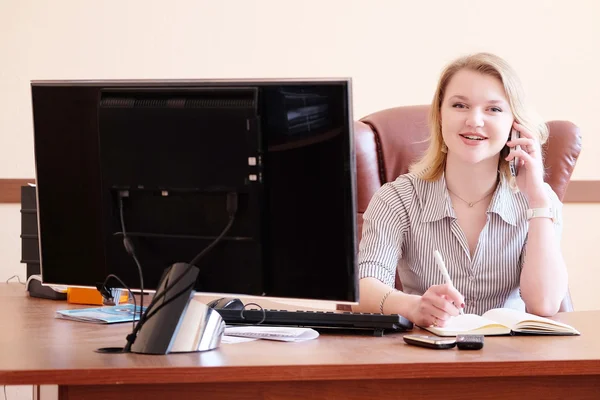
[472, 203]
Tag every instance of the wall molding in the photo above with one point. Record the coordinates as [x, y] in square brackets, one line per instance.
[582, 192]
[10, 189]
[577, 191]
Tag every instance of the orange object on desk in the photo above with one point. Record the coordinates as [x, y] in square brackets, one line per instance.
[89, 296]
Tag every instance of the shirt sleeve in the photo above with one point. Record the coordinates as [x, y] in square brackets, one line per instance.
[384, 224]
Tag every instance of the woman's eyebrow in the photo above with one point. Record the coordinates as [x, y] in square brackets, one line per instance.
[464, 98]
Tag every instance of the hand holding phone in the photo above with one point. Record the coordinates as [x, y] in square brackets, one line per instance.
[514, 163]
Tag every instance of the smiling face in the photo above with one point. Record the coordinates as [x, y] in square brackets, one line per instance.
[476, 117]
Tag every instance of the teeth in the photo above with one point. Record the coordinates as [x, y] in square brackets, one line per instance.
[473, 137]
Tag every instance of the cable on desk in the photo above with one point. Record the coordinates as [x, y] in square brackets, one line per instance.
[118, 349]
[128, 244]
[264, 314]
[19, 280]
[103, 288]
[129, 248]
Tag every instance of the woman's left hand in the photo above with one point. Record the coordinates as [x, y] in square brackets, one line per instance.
[530, 175]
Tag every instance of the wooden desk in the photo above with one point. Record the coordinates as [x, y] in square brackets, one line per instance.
[37, 349]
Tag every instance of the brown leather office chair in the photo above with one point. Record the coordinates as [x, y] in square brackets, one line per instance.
[388, 141]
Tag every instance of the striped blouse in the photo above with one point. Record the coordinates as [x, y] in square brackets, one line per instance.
[409, 218]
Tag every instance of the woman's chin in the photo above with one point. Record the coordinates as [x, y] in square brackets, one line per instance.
[472, 159]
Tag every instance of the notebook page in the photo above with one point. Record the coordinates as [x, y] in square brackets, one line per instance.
[512, 318]
[465, 323]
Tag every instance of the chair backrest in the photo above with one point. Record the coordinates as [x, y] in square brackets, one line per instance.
[388, 141]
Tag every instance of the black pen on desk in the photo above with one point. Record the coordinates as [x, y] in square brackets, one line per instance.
[442, 267]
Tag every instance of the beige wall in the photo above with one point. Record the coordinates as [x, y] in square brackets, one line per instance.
[392, 49]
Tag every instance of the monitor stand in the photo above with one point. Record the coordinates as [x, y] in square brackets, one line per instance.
[184, 325]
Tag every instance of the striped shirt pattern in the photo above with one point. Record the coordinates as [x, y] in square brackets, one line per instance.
[409, 218]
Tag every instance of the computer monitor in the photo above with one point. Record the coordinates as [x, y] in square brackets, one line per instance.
[162, 158]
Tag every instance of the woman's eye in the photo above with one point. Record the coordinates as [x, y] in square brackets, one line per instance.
[496, 109]
[458, 105]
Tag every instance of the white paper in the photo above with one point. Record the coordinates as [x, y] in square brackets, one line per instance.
[236, 339]
[284, 334]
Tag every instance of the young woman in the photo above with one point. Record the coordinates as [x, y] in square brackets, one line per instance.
[498, 235]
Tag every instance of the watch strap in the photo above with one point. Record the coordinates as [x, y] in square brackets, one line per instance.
[548, 212]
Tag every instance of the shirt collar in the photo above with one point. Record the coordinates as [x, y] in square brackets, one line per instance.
[436, 203]
[435, 200]
[504, 202]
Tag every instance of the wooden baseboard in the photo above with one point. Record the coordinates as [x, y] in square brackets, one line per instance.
[583, 192]
[10, 189]
[577, 192]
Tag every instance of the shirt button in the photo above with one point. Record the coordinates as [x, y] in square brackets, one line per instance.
[471, 278]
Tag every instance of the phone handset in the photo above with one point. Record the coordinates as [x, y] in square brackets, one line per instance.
[514, 163]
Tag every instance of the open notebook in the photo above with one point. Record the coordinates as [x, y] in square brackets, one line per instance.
[502, 321]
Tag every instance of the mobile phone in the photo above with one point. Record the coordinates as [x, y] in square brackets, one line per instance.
[514, 163]
[431, 342]
[469, 342]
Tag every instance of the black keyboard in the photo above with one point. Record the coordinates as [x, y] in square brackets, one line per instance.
[322, 321]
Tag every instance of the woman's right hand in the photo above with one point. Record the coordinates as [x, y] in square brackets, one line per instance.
[437, 305]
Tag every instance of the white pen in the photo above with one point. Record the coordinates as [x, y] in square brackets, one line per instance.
[442, 267]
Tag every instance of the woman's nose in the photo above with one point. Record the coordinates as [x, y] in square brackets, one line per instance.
[475, 119]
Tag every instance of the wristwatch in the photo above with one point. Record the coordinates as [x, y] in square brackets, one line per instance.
[542, 213]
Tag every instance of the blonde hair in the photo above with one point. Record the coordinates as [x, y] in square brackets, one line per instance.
[431, 166]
